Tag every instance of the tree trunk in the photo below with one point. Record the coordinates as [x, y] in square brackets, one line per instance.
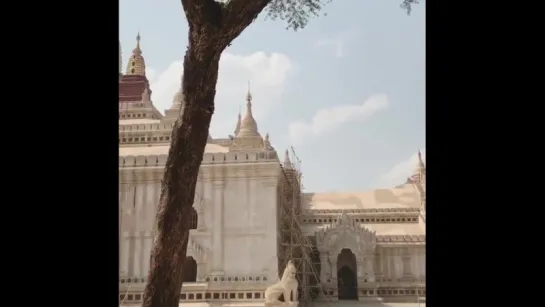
[189, 138]
[212, 26]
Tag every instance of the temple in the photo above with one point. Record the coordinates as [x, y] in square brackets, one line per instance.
[250, 217]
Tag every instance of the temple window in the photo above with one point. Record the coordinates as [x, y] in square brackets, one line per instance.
[194, 219]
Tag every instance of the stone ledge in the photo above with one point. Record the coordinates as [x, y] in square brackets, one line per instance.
[282, 304]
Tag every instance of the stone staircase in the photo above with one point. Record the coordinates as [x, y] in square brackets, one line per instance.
[199, 249]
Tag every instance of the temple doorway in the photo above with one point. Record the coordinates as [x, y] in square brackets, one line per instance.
[190, 270]
[347, 279]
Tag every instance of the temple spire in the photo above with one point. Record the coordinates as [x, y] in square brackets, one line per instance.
[178, 101]
[136, 65]
[248, 126]
[287, 161]
[177, 107]
[249, 94]
[421, 165]
[239, 118]
[138, 41]
[418, 175]
[267, 143]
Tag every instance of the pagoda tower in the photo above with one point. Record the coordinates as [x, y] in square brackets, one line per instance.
[133, 83]
[134, 89]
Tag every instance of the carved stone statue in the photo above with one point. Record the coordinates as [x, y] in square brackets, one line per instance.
[287, 286]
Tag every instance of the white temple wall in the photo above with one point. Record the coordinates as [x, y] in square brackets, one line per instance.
[391, 264]
[139, 195]
[398, 262]
[418, 261]
[138, 199]
[236, 210]
[249, 227]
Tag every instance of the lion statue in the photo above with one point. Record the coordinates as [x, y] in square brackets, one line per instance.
[287, 286]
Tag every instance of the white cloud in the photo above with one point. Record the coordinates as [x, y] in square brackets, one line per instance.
[267, 74]
[329, 118]
[399, 173]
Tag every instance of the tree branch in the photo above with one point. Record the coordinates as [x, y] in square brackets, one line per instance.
[237, 15]
[203, 12]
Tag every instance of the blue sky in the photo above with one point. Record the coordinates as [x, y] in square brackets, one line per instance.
[347, 92]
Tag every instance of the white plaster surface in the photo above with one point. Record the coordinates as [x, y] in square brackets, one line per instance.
[404, 196]
[237, 228]
[139, 121]
[163, 150]
[381, 229]
[250, 228]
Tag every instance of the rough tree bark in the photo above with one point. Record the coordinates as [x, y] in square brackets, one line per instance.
[212, 27]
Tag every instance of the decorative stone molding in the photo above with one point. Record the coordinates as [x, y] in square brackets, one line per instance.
[200, 295]
[222, 165]
[128, 176]
[143, 138]
[336, 212]
[158, 127]
[401, 238]
[361, 219]
[396, 293]
[237, 279]
[346, 233]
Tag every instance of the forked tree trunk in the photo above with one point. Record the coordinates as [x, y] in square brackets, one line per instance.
[212, 26]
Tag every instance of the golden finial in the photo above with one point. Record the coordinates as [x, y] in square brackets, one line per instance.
[249, 94]
[136, 50]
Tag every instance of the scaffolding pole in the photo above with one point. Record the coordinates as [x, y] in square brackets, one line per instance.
[293, 245]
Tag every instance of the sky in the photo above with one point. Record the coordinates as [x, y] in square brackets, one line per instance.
[347, 92]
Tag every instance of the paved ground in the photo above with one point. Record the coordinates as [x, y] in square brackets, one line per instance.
[366, 304]
[316, 304]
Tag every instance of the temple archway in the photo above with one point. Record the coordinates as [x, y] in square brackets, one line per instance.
[190, 270]
[347, 279]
